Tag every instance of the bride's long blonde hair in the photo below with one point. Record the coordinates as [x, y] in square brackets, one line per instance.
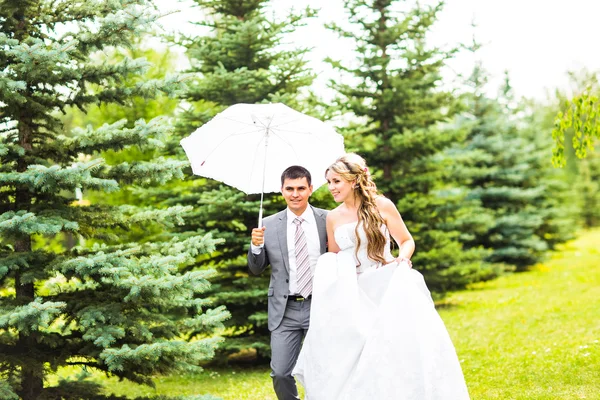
[353, 168]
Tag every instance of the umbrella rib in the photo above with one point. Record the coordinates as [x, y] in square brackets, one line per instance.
[285, 123]
[227, 137]
[320, 138]
[240, 122]
[266, 149]
[288, 143]
[255, 158]
[269, 124]
[291, 131]
[245, 132]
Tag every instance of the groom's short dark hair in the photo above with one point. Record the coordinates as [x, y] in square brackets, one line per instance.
[296, 172]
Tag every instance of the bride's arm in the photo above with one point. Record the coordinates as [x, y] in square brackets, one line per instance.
[397, 228]
[332, 246]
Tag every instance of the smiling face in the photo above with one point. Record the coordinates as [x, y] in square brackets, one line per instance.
[340, 189]
[296, 193]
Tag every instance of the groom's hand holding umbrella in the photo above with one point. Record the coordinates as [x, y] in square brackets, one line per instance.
[258, 236]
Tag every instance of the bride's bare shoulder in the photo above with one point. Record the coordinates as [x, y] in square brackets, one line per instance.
[387, 208]
[383, 202]
[337, 216]
[334, 214]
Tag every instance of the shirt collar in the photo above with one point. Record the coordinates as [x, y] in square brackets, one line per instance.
[307, 215]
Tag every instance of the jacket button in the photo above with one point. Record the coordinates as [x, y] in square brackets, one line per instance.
[285, 296]
[287, 281]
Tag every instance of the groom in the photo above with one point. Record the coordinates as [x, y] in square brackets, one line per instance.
[290, 241]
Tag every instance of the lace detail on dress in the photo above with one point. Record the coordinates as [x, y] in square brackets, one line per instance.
[345, 237]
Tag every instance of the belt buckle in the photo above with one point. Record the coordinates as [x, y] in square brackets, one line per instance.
[300, 298]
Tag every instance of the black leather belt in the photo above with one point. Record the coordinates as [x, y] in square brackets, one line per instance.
[298, 298]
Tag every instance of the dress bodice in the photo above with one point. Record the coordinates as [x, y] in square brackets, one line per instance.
[345, 237]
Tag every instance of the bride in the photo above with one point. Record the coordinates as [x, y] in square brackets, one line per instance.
[374, 332]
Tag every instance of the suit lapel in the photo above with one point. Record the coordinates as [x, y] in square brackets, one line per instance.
[282, 234]
[320, 217]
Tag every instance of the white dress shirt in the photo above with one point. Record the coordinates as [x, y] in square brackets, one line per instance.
[312, 241]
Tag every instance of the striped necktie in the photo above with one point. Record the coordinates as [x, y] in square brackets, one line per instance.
[303, 273]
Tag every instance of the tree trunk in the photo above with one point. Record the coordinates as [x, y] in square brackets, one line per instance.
[32, 370]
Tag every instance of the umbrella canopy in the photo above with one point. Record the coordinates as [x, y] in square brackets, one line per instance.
[248, 146]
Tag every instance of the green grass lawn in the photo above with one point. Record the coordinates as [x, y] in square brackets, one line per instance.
[532, 335]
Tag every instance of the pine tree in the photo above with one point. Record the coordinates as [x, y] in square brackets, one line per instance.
[511, 177]
[162, 63]
[396, 95]
[122, 308]
[240, 60]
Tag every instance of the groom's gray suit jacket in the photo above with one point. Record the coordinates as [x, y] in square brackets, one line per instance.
[275, 252]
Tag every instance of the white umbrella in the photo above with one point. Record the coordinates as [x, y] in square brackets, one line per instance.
[248, 146]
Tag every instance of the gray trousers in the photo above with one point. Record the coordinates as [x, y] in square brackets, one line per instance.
[286, 341]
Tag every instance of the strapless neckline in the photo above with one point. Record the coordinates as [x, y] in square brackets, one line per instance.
[344, 224]
[346, 235]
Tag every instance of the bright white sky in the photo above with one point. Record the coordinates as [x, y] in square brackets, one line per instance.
[537, 41]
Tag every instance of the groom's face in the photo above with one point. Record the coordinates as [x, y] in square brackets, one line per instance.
[296, 193]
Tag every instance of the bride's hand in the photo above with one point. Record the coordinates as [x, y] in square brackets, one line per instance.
[404, 259]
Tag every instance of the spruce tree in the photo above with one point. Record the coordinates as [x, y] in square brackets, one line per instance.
[162, 63]
[395, 92]
[510, 176]
[241, 59]
[122, 308]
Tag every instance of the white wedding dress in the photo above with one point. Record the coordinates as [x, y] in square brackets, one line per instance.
[374, 332]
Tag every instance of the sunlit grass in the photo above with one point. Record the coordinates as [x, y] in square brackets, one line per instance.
[229, 384]
[529, 336]
[533, 335]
